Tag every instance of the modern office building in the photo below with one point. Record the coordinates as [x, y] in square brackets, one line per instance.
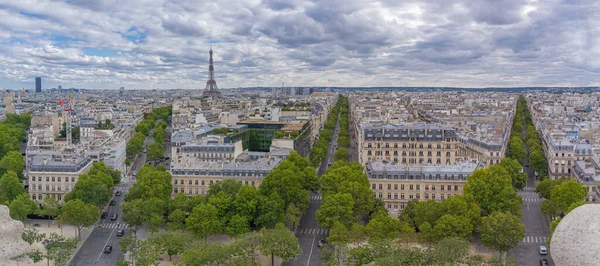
[38, 84]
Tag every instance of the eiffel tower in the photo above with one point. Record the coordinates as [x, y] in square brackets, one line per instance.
[211, 90]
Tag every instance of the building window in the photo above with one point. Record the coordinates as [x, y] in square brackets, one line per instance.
[33, 197]
[190, 191]
[59, 179]
[373, 186]
[380, 195]
[418, 195]
[410, 187]
[449, 187]
[426, 187]
[432, 187]
[389, 206]
[448, 195]
[401, 206]
[426, 196]
[418, 187]
[39, 178]
[202, 182]
[175, 190]
[455, 187]
[410, 196]
[380, 186]
[196, 191]
[389, 195]
[389, 186]
[402, 186]
[402, 196]
[72, 179]
[442, 196]
[47, 179]
[396, 195]
[59, 196]
[395, 186]
[432, 196]
[196, 182]
[175, 180]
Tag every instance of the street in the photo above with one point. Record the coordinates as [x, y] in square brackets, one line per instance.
[536, 224]
[309, 232]
[105, 233]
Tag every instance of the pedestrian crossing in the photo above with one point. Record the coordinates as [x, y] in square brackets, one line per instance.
[529, 188]
[313, 231]
[533, 199]
[535, 239]
[115, 225]
[316, 198]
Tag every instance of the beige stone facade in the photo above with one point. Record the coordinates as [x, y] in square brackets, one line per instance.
[51, 177]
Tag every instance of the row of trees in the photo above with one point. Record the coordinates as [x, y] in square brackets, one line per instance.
[343, 140]
[318, 153]
[244, 250]
[489, 208]
[155, 120]
[229, 206]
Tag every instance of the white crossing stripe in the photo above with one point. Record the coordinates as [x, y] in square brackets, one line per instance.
[533, 199]
[115, 225]
[529, 188]
[316, 198]
[313, 231]
[535, 239]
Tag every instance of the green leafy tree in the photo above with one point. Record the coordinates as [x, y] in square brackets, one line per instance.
[280, 242]
[100, 170]
[567, 193]
[453, 226]
[459, 206]
[91, 190]
[383, 227]
[341, 155]
[79, 214]
[10, 187]
[514, 168]
[427, 234]
[246, 202]
[502, 232]
[173, 243]
[271, 210]
[537, 159]
[292, 216]
[50, 208]
[8, 141]
[492, 189]
[229, 187]
[22, 206]
[248, 245]
[206, 254]
[129, 244]
[349, 178]
[544, 188]
[151, 183]
[516, 149]
[13, 161]
[450, 251]
[336, 207]
[204, 221]
[286, 180]
[155, 151]
[155, 222]
[237, 225]
[427, 211]
[176, 220]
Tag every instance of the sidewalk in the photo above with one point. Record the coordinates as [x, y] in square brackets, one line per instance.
[65, 230]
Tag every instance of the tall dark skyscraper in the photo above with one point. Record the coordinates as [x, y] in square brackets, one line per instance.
[38, 84]
[211, 90]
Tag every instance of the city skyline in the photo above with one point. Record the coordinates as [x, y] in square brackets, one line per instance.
[163, 44]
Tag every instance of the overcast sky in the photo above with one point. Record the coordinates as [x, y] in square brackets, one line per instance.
[164, 44]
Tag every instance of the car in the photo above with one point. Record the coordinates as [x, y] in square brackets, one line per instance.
[167, 158]
[107, 249]
[321, 243]
[120, 232]
[526, 165]
[104, 215]
[112, 203]
[543, 250]
[329, 164]
[114, 217]
[118, 193]
[144, 150]
[543, 262]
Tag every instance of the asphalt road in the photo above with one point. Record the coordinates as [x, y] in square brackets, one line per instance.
[309, 232]
[536, 224]
[105, 234]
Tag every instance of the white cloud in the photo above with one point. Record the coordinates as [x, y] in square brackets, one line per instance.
[150, 43]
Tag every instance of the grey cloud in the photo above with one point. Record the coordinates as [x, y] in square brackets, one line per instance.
[184, 26]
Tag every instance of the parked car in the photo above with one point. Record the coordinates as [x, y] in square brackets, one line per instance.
[120, 232]
[104, 215]
[543, 250]
[114, 217]
[107, 249]
[543, 262]
[112, 203]
[118, 193]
